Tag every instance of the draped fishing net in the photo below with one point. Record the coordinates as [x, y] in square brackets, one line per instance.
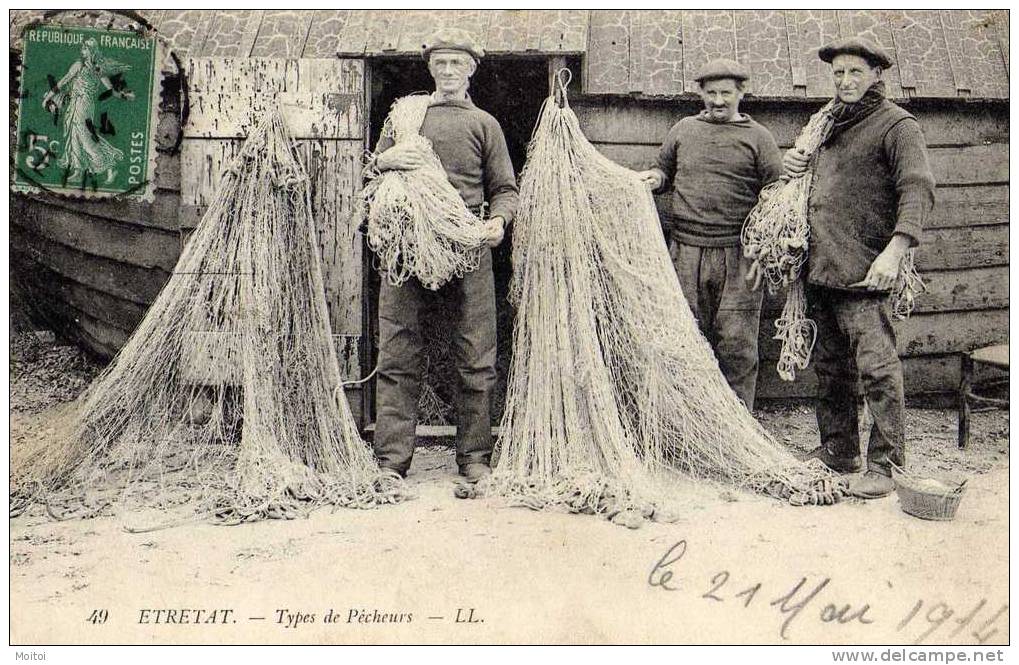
[227, 401]
[612, 384]
[417, 223]
[776, 237]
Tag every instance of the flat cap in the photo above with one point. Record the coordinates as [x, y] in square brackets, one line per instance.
[861, 46]
[453, 39]
[721, 69]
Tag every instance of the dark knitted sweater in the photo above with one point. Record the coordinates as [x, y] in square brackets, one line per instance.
[716, 171]
[472, 148]
[871, 181]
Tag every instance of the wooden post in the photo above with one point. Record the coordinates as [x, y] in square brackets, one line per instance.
[555, 63]
[965, 387]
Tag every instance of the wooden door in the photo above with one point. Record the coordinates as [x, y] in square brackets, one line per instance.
[323, 106]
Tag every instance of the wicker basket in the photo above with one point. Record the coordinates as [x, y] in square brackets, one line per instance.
[925, 503]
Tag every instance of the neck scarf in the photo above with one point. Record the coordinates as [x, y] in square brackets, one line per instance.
[846, 115]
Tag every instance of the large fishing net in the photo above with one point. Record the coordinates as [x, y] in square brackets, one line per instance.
[226, 402]
[612, 384]
[417, 223]
[776, 237]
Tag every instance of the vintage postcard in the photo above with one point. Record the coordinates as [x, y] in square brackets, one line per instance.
[674, 327]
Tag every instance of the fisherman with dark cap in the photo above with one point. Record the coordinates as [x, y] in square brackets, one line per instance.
[716, 163]
[872, 190]
[472, 148]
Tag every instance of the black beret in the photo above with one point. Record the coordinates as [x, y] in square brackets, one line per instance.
[721, 69]
[861, 46]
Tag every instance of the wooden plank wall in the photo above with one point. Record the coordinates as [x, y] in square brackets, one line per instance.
[964, 258]
[322, 102]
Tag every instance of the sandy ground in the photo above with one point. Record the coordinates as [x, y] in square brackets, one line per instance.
[736, 568]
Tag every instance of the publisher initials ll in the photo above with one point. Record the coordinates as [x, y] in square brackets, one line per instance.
[466, 616]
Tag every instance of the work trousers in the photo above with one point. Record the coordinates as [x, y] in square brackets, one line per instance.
[401, 360]
[855, 341]
[728, 312]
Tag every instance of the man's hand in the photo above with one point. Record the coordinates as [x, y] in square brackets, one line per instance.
[795, 162]
[885, 269]
[653, 178]
[495, 230]
[401, 158]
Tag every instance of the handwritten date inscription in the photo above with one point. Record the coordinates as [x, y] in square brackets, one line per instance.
[808, 599]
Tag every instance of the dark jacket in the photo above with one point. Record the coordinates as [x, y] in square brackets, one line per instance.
[871, 181]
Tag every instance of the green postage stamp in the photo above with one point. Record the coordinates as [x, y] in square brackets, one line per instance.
[87, 112]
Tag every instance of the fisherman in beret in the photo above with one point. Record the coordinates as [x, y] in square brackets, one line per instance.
[472, 148]
[871, 193]
[716, 163]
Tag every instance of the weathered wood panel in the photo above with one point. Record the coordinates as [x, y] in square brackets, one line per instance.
[919, 41]
[969, 165]
[231, 33]
[416, 27]
[563, 31]
[963, 247]
[324, 33]
[1000, 18]
[282, 34]
[921, 334]
[354, 34]
[815, 28]
[334, 171]
[202, 165]
[647, 121]
[707, 34]
[874, 24]
[660, 46]
[924, 375]
[762, 44]
[948, 332]
[105, 339]
[321, 98]
[936, 53]
[116, 312]
[981, 46]
[607, 63]
[969, 288]
[970, 206]
[128, 243]
[162, 213]
[185, 29]
[130, 282]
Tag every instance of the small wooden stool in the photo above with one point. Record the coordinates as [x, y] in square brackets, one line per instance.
[995, 356]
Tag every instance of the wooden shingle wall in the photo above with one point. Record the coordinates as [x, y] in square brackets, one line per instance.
[964, 256]
[936, 53]
[946, 53]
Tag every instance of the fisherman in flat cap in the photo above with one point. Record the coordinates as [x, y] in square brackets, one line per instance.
[472, 148]
[871, 193]
[716, 163]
